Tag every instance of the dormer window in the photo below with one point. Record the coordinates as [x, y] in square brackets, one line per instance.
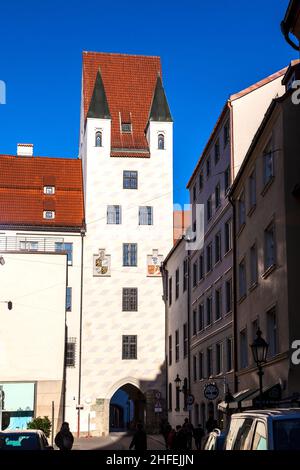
[49, 215]
[126, 127]
[161, 141]
[49, 190]
[98, 139]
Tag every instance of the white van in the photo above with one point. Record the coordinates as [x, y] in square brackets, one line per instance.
[277, 429]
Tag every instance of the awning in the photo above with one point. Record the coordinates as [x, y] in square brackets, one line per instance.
[236, 400]
[270, 396]
[250, 398]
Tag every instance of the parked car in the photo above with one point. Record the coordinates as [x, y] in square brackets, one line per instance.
[215, 440]
[24, 440]
[277, 429]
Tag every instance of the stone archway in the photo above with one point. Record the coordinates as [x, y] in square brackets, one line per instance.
[127, 407]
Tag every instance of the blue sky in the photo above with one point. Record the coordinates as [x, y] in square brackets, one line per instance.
[208, 49]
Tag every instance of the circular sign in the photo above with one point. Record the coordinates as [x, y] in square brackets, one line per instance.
[157, 395]
[190, 399]
[211, 391]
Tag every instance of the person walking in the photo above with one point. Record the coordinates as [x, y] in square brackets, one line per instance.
[188, 429]
[171, 439]
[180, 442]
[198, 436]
[139, 440]
[64, 438]
[211, 423]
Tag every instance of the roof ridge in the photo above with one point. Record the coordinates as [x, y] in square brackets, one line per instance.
[21, 157]
[258, 84]
[121, 54]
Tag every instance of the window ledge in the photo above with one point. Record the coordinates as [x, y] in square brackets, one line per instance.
[251, 210]
[241, 299]
[218, 319]
[177, 409]
[253, 286]
[218, 262]
[267, 186]
[241, 229]
[228, 313]
[201, 280]
[208, 326]
[269, 271]
[228, 252]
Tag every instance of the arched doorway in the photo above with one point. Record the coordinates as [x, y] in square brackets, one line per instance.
[127, 407]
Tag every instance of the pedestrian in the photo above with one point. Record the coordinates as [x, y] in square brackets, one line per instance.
[180, 442]
[64, 438]
[188, 429]
[139, 440]
[171, 439]
[165, 430]
[211, 423]
[198, 436]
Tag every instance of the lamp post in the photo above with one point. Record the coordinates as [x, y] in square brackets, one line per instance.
[259, 349]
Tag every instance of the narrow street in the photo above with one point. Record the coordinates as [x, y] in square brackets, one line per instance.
[115, 441]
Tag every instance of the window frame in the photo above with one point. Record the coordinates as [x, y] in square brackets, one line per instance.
[132, 255]
[130, 178]
[126, 354]
[129, 299]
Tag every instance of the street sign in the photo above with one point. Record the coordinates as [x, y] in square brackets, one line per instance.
[158, 407]
[189, 408]
[157, 395]
[190, 399]
[211, 391]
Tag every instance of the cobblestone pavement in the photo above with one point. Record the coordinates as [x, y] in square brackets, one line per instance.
[115, 441]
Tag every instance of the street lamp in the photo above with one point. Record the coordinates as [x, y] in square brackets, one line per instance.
[259, 349]
[178, 383]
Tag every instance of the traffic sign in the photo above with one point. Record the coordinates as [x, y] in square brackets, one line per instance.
[158, 407]
[211, 391]
[190, 399]
[157, 395]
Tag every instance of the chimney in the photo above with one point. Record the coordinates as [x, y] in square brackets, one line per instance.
[25, 150]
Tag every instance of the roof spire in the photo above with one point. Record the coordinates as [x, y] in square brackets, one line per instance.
[98, 105]
[160, 110]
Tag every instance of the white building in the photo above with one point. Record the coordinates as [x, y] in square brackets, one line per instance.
[41, 230]
[212, 321]
[126, 147]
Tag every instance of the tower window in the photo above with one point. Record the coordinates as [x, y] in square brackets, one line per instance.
[126, 127]
[98, 139]
[161, 141]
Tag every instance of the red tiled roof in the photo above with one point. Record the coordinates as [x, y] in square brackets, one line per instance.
[22, 198]
[129, 83]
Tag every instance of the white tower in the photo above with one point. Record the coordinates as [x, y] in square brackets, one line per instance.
[127, 152]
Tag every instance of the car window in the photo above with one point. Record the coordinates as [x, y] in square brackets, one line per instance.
[235, 425]
[14, 441]
[286, 434]
[243, 434]
[260, 437]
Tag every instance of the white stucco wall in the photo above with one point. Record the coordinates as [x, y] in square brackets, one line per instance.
[32, 333]
[248, 112]
[104, 323]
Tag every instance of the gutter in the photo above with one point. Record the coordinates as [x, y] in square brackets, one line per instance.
[80, 331]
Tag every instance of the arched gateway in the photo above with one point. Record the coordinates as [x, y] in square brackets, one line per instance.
[127, 407]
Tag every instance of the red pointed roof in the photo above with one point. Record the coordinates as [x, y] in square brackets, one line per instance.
[129, 82]
[22, 198]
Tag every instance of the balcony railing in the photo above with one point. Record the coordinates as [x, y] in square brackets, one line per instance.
[30, 244]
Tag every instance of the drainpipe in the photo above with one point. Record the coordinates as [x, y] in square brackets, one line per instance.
[82, 233]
